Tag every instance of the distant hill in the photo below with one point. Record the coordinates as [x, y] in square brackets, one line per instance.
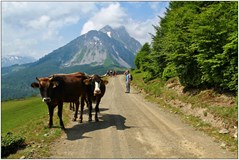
[10, 60]
[93, 52]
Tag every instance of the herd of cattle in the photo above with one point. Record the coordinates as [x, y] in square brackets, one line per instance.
[59, 88]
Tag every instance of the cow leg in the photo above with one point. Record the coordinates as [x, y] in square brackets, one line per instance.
[73, 106]
[97, 109]
[70, 106]
[60, 106]
[51, 111]
[76, 110]
[82, 102]
[89, 104]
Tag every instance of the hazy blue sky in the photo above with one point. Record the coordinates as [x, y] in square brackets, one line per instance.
[37, 28]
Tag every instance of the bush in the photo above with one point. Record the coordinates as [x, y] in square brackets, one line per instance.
[147, 76]
[169, 72]
[10, 144]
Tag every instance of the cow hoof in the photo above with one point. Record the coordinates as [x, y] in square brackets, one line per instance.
[49, 126]
[90, 120]
[97, 120]
[80, 121]
[63, 128]
[74, 119]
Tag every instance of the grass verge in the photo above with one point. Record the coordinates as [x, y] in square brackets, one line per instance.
[210, 102]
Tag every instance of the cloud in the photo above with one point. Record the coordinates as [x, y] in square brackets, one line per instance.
[112, 15]
[142, 30]
[115, 16]
[41, 22]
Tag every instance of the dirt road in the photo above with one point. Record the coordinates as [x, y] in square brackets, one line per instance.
[131, 127]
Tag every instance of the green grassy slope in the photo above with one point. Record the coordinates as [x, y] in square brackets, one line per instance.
[21, 112]
[28, 118]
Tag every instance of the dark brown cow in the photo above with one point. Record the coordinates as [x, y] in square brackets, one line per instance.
[97, 90]
[61, 88]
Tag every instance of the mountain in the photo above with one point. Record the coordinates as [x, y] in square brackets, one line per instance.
[95, 48]
[120, 34]
[10, 60]
[93, 52]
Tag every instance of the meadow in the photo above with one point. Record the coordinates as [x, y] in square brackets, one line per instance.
[17, 113]
[28, 118]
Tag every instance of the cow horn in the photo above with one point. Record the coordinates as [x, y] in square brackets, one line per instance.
[86, 74]
[37, 79]
[91, 75]
[51, 77]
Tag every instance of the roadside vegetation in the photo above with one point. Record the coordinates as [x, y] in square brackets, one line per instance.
[196, 42]
[191, 67]
[206, 110]
[27, 120]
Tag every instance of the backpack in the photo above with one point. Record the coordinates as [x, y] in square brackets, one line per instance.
[131, 77]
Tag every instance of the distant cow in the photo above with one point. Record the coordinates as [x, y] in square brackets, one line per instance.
[97, 91]
[61, 88]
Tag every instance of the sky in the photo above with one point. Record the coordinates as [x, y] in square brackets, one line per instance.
[37, 28]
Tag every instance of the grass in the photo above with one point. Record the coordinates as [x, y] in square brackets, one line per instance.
[28, 118]
[18, 112]
[156, 91]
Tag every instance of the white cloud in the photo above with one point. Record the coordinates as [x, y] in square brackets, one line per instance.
[112, 15]
[41, 22]
[115, 16]
[141, 30]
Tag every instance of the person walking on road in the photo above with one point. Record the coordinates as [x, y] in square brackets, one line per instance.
[128, 81]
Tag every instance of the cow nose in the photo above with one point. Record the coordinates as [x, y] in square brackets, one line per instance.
[97, 91]
[46, 99]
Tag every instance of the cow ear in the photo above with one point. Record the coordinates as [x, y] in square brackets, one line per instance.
[87, 81]
[105, 82]
[35, 85]
[55, 84]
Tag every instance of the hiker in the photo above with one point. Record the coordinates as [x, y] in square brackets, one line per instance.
[128, 80]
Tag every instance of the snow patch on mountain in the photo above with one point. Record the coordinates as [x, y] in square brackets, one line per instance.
[109, 34]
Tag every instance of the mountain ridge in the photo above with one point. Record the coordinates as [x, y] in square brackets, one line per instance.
[9, 60]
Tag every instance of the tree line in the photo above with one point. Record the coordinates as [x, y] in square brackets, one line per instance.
[197, 42]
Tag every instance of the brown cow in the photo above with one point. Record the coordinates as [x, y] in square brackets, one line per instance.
[61, 88]
[97, 91]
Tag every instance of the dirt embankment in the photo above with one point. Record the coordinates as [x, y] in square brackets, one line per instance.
[207, 99]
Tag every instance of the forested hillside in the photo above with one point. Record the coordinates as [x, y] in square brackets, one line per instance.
[196, 41]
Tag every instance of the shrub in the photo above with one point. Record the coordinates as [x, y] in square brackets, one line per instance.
[10, 144]
[169, 72]
[147, 76]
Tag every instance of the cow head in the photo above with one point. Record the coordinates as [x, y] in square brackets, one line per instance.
[95, 81]
[46, 86]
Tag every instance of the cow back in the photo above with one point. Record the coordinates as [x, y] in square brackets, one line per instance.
[70, 86]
